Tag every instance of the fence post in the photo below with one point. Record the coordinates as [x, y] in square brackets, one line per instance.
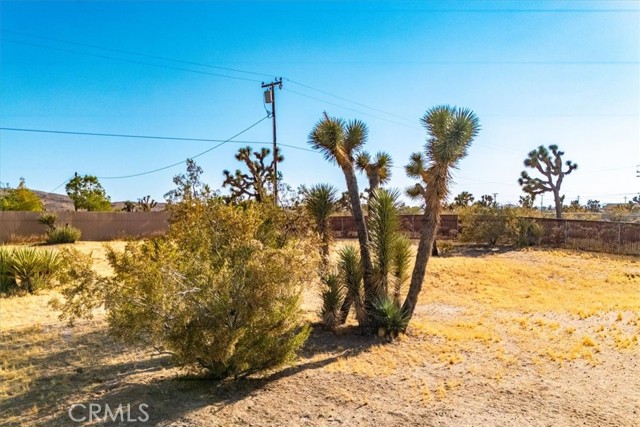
[565, 233]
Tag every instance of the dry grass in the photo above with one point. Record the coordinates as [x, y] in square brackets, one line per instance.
[539, 331]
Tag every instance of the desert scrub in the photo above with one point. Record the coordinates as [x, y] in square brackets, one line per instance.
[66, 234]
[27, 269]
[220, 292]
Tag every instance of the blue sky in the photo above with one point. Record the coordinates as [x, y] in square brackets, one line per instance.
[535, 72]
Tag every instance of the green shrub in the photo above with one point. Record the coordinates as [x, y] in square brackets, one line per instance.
[488, 224]
[48, 219]
[389, 318]
[66, 234]
[529, 232]
[27, 269]
[8, 282]
[220, 292]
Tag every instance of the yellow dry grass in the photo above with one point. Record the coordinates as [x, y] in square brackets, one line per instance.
[487, 317]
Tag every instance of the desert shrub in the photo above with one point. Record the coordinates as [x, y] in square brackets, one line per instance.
[389, 317]
[220, 292]
[487, 224]
[8, 282]
[332, 298]
[66, 234]
[529, 232]
[27, 269]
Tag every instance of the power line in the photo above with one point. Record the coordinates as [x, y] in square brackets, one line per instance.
[128, 52]
[192, 157]
[174, 164]
[117, 135]
[133, 61]
[348, 108]
[348, 100]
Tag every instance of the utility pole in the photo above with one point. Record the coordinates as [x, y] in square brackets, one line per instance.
[270, 98]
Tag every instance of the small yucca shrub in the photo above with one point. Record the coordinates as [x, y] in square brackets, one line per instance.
[389, 318]
[332, 297]
[66, 234]
[8, 282]
[352, 276]
[28, 269]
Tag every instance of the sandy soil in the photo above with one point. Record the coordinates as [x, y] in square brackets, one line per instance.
[490, 357]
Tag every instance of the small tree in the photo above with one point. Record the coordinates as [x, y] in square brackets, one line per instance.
[129, 206]
[378, 169]
[450, 131]
[550, 166]
[189, 186]
[146, 204]
[594, 206]
[483, 224]
[256, 184]
[463, 200]
[527, 201]
[87, 193]
[486, 201]
[20, 199]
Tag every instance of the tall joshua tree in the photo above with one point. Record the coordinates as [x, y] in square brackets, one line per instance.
[254, 184]
[450, 131]
[340, 142]
[378, 169]
[550, 166]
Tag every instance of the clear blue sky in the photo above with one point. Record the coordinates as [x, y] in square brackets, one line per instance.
[535, 72]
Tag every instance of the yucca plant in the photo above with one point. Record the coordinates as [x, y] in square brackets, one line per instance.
[7, 278]
[321, 202]
[332, 298]
[389, 318]
[378, 169]
[384, 230]
[352, 276]
[401, 262]
[33, 268]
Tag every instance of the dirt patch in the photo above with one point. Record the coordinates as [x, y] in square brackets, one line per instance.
[513, 339]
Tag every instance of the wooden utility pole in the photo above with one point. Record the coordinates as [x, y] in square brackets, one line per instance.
[270, 98]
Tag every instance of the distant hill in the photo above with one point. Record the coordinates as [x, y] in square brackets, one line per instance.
[61, 202]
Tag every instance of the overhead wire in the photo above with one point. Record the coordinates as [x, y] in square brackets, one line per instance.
[133, 61]
[128, 52]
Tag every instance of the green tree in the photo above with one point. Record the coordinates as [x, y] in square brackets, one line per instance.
[550, 166]
[129, 206]
[463, 199]
[189, 186]
[378, 169]
[450, 131]
[146, 204]
[257, 183]
[20, 199]
[340, 142]
[594, 206]
[87, 193]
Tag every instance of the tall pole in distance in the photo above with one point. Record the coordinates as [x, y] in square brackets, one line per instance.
[270, 98]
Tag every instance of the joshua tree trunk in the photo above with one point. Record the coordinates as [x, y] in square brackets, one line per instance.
[363, 238]
[558, 201]
[425, 246]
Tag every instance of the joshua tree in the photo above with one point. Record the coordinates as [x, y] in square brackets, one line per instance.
[378, 170]
[129, 206]
[256, 183]
[339, 142]
[550, 166]
[321, 202]
[450, 131]
[463, 199]
[146, 204]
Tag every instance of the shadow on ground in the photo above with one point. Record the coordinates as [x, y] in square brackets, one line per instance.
[169, 396]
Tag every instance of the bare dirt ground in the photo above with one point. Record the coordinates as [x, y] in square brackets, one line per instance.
[511, 338]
